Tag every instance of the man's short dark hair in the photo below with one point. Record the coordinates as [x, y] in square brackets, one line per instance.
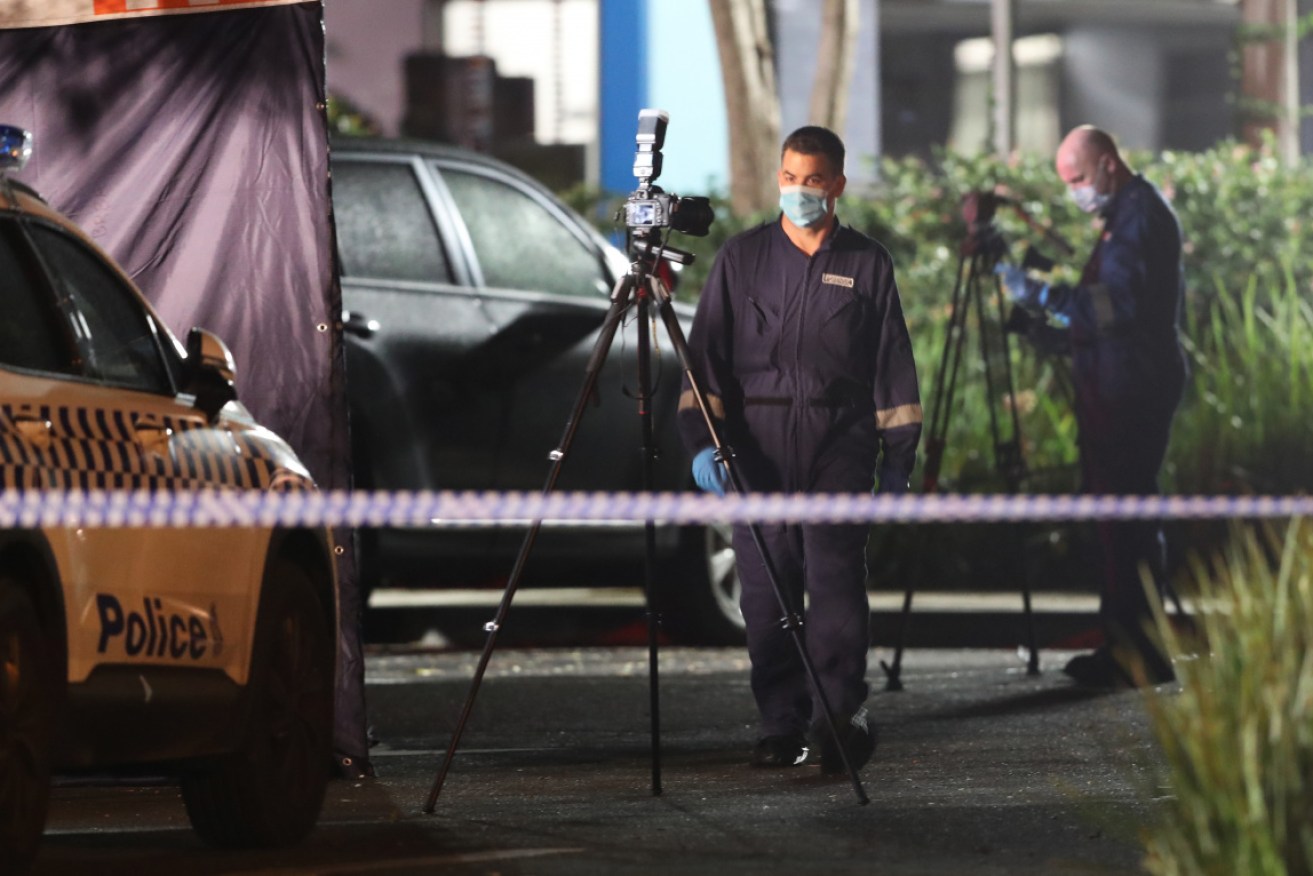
[815, 140]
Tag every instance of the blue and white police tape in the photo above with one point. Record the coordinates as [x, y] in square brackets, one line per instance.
[104, 508]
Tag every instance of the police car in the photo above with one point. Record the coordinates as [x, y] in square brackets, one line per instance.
[207, 652]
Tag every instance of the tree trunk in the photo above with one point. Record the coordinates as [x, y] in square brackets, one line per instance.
[747, 65]
[1004, 76]
[1269, 73]
[834, 64]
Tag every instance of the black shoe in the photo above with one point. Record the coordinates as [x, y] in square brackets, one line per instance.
[858, 739]
[780, 751]
[353, 769]
[1100, 669]
[1096, 669]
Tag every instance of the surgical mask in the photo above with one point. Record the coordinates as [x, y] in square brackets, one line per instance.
[805, 206]
[1089, 199]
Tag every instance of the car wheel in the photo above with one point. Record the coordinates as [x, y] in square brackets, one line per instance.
[27, 718]
[269, 792]
[703, 593]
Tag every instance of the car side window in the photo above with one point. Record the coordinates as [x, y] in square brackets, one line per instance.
[118, 338]
[384, 228]
[521, 244]
[30, 337]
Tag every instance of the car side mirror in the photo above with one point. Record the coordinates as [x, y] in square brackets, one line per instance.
[210, 373]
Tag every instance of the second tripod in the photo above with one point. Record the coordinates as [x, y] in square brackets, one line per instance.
[976, 291]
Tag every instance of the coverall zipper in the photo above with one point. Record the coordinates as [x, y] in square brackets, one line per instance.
[799, 402]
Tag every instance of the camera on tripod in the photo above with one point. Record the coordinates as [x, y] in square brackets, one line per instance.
[650, 208]
[983, 239]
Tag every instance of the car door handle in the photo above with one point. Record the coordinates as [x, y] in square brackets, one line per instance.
[34, 429]
[354, 323]
[152, 436]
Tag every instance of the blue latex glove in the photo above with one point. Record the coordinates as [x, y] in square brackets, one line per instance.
[710, 474]
[1020, 288]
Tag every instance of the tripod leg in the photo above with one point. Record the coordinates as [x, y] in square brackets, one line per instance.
[620, 300]
[792, 622]
[1032, 660]
[1008, 458]
[893, 671]
[950, 361]
[649, 533]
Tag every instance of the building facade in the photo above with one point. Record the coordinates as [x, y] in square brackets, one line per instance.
[513, 76]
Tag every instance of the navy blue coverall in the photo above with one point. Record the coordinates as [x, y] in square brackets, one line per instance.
[808, 368]
[1129, 373]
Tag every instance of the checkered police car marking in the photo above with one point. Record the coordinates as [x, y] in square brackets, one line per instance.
[114, 615]
[165, 611]
[89, 449]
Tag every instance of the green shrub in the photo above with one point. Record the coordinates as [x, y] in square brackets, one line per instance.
[1248, 267]
[1238, 736]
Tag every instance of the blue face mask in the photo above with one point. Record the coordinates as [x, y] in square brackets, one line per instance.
[804, 205]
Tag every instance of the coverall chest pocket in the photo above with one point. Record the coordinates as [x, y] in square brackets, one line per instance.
[757, 335]
[841, 315]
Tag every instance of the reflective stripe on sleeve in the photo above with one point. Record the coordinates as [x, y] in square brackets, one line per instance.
[1101, 302]
[903, 415]
[688, 401]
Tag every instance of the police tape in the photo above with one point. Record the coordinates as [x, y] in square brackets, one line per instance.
[362, 508]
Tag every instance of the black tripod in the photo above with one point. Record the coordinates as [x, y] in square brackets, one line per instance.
[976, 288]
[641, 286]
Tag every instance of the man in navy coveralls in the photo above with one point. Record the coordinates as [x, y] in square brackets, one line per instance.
[801, 347]
[1129, 371]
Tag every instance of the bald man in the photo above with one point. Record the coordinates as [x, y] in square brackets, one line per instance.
[1129, 373]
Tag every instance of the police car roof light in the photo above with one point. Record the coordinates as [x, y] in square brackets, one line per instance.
[15, 147]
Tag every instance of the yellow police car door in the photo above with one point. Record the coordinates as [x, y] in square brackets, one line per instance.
[136, 595]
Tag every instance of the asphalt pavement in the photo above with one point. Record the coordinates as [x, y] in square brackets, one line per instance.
[982, 768]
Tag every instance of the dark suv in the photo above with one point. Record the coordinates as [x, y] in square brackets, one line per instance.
[473, 299]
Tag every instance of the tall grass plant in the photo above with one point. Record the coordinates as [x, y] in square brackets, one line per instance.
[1237, 738]
[1245, 423]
